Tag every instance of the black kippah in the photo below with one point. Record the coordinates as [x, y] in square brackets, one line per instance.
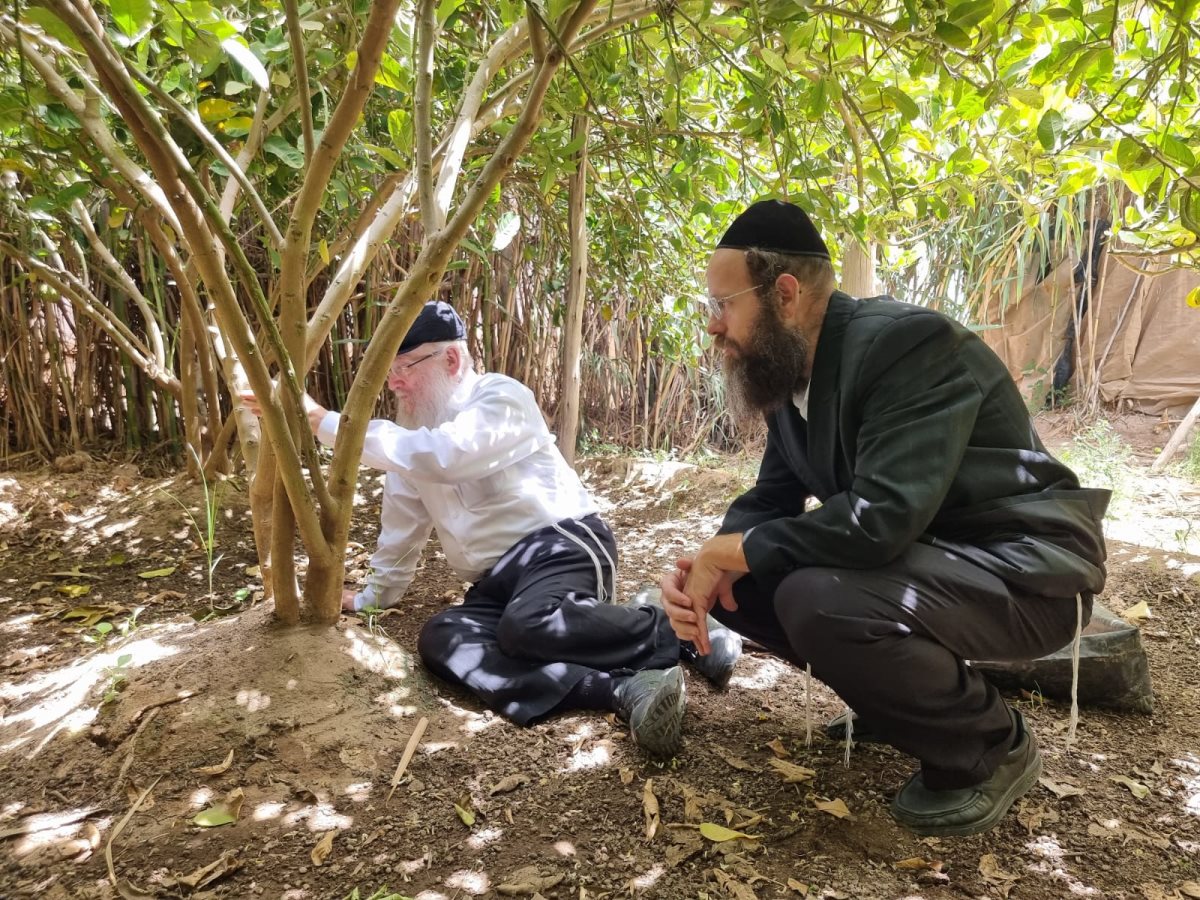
[777, 226]
[437, 321]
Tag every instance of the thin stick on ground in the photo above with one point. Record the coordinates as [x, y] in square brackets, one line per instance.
[408, 754]
[130, 890]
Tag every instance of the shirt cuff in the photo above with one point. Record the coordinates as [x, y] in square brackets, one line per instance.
[328, 428]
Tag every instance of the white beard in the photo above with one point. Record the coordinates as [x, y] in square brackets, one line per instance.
[431, 404]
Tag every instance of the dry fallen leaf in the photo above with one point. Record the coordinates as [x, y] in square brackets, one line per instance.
[1002, 881]
[223, 865]
[218, 769]
[324, 846]
[1060, 790]
[833, 807]
[1137, 614]
[798, 886]
[1033, 817]
[693, 810]
[737, 762]
[792, 773]
[734, 888]
[650, 808]
[626, 776]
[508, 783]
[1190, 889]
[917, 863]
[1136, 788]
[776, 747]
[528, 880]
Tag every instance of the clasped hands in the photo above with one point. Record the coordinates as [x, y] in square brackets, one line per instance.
[699, 583]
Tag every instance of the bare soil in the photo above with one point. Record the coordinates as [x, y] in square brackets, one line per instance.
[124, 678]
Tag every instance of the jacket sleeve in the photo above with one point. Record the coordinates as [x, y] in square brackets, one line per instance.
[915, 405]
[404, 530]
[500, 425]
[777, 493]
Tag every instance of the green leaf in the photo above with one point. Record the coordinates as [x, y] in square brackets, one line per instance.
[904, 103]
[1177, 151]
[1130, 154]
[719, 833]
[446, 8]
[283, 151]
[773, 60]
[1189, 211]
[970, 13]
[400, 128]
[214, 816]
[52, 25]
[506, 229]
[390, 75]
[953, 35]
[132, 16]
[237, 48]
[1049, 129]
[1193, 298]
[157, 573]
[467, 815]
[216, 110]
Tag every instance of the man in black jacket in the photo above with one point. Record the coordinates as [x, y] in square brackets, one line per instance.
[945, 530]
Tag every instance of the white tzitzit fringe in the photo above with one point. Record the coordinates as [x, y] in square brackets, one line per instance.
[808, 705]
[849, 734]
[601, 589]
[1074, 719]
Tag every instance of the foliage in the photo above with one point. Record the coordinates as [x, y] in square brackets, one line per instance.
[1100, 458]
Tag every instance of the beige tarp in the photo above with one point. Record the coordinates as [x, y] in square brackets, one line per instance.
[1145, 333]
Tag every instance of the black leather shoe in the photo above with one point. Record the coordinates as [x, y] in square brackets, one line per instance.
[726, 644]
[975, 809]
[653, 702]
[863, 733]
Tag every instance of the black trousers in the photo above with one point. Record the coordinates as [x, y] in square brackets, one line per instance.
[533, 625]
[892, 643]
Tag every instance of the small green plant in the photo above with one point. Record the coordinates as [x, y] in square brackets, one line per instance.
[371, 614]
[382, 894]
[1189, 466]
[1101, 458]
[206, 535]
[116, 678]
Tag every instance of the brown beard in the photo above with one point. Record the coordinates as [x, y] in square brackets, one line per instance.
[762, 375]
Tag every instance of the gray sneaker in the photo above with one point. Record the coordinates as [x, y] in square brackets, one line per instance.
[726, 644]
[652, 702]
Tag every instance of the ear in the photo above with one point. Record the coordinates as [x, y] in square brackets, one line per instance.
[790, 292]
[453, 359]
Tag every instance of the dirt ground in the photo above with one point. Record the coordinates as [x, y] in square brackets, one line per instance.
[136, 704]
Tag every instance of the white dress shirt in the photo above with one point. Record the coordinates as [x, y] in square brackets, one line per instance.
[485, 478]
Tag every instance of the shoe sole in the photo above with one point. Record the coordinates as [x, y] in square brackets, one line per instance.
[1017, 790]
[666, 712]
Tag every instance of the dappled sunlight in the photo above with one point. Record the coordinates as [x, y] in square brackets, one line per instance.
[359, 792]
[431, 895]
[270, 810]
[378, 653]
[1051, 860]
[485, 837]
[648, 879]
[200, 798]
[564, 848]
[320, 816]
[1189, 782]
[61, 699]
[390, 700]
[767, 672]
[62, 833]
[586, 755]
[469, 882]
[252, 699]
[18, 624]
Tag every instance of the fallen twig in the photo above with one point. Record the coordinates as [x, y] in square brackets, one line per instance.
[132, 743]
[408, 754]
[129, 892]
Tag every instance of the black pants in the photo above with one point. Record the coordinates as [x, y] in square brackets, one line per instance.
[533, 625]
[892, 643]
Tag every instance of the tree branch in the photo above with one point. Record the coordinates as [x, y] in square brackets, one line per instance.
[296, 41]
[426, 37]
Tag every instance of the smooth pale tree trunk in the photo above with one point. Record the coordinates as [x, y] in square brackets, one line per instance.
[568, 394]
[1177, 439]
[858, 269]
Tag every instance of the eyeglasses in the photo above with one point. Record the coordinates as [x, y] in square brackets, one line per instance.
[400, 368]
[716, 305]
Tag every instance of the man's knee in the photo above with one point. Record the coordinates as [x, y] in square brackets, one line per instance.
[812, 606]
[437, 638]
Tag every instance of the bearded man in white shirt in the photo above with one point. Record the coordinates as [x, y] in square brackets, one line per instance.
[537, 633]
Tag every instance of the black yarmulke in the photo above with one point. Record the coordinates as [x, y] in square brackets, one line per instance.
[437, 321]
[777, 226]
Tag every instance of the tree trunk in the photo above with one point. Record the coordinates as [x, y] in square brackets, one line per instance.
[858, 269]
[572, 341]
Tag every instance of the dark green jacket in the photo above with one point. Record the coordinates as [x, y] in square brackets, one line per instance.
[916, 432]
